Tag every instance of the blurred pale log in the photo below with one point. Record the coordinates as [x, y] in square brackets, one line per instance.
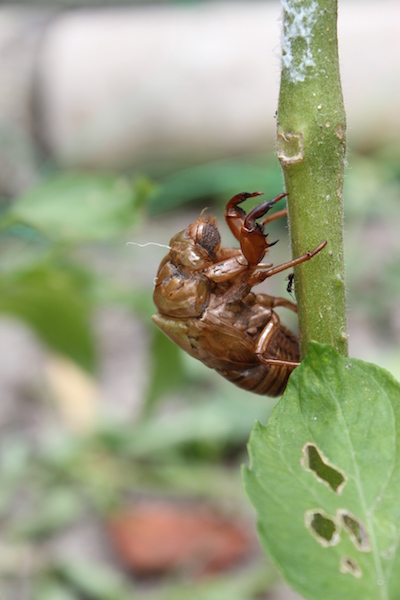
[125, 87]
[169, 82]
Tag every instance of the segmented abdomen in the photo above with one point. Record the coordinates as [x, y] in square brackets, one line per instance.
[268, 380]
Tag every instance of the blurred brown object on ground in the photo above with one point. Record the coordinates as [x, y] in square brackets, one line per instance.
[162, 536]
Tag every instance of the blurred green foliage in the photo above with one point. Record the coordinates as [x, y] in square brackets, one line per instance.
[52, 297]
[49, 278]
[50, 238]
[219, 179]
[76, 207]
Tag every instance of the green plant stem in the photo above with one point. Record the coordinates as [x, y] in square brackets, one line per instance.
[311, 149]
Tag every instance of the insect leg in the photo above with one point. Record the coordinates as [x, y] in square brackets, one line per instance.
[259, 276]
[234, 215]
[253, 240]
[262, 209]
[290, 280]
[263, 342]
[274, 301]
[277, 215]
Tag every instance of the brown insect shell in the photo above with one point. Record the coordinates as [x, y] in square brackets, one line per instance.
[184, 293]
[187, 254]
[182, 290]
[193, 314]
[253, 244]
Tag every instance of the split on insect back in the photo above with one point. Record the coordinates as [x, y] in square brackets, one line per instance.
[206, 304]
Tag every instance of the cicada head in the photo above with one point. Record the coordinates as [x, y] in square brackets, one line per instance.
[204, 232]
[196, 246]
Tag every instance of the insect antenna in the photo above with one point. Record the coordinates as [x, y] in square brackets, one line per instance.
[148, 244]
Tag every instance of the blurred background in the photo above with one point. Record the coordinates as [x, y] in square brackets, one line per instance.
[119, 455]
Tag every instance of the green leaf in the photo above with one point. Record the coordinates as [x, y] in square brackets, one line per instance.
[57, 509]
[325, 479]
[94, 581]
[48, 588]
[77, 207]
[240, 584]
[212, 419]
[52, 301]
[167, 368]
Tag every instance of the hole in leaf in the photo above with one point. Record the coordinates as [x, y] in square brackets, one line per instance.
[313, 461]
[323, 527]
[356, 529]
[349, 565]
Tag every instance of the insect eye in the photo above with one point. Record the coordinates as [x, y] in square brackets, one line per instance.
[209, 238]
